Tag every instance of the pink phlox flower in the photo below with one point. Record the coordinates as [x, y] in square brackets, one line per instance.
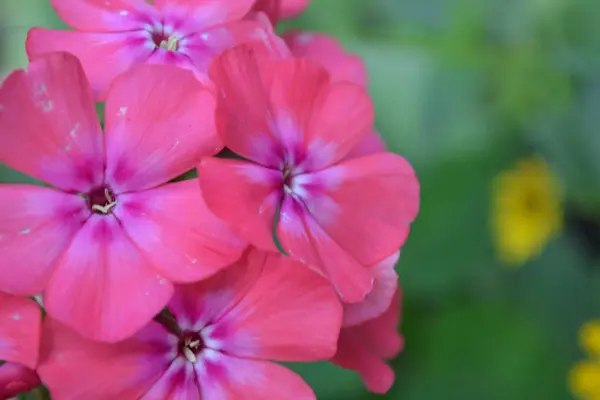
[112, 36]
[20, 329]
[366, 346]
[106, 241]
[227, 331]
[295, 127]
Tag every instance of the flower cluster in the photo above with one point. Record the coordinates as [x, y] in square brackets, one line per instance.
[153, 286]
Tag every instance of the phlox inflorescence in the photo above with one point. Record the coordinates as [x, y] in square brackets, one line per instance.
[153, 286]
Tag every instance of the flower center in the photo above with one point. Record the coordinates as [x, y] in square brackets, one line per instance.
[190, 345]
[287, 178]
[101, 201]
[165, 41]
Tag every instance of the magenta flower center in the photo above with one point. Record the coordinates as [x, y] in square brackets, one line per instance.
[190, 345]
[102, 200]
[163, 39]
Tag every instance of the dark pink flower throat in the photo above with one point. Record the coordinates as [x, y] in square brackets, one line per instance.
[190, 345]
[101, 200]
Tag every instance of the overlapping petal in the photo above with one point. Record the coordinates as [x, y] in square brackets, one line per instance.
[159, 123]
[49, 125]
[174, 229]
[36, 225]
[75, 368]
[103, 55]
[20, 329]
[103, 287]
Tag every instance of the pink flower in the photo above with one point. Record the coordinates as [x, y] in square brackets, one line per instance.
[280, 9]
[227, 330]
[20, 326]
[105, 242]
[342, 66]
[294, 126]
[365, 346]
[112, 36]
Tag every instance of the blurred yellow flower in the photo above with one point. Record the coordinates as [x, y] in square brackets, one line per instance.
[584, 377]
[526, 210]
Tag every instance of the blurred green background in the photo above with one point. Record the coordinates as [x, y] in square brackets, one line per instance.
[463, 89]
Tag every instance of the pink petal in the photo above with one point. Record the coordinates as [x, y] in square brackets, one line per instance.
[36, 224]
[75, 368]
[49, 125]
[174, 229]
[231, 378]
[15, 379]
[251, 212]
[269, 7]
[364, 348]
[325, 120]
[341, 117]
[291, 8]
[203, 46]
[243, 108]
[159, 123]
[209, 12]
[276, 46]
[103, 55]
[303, 239]
[196, 305]
[20, 326]
[329, 53]
[103, 287]
[371, 144]
[100, 15]
[366, 204]
[380, 298]
[270, 322]
[179, 382]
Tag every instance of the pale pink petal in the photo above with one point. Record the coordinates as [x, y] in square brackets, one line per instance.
[328, 52]
[230, 378]
[179, 382]
[49, 125]
[174, 229]
[20, 329]
[196, 305]
[366, 347]
[365, 204]
[206, 13]
[159, 123]
[103, 287]
[75, 368]
[36, 224]
[251, 212]
[371, 144]
[15, 379]
[303, 239]
[380, 298]
[103, 55]
[101, 15]
[270, 322]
